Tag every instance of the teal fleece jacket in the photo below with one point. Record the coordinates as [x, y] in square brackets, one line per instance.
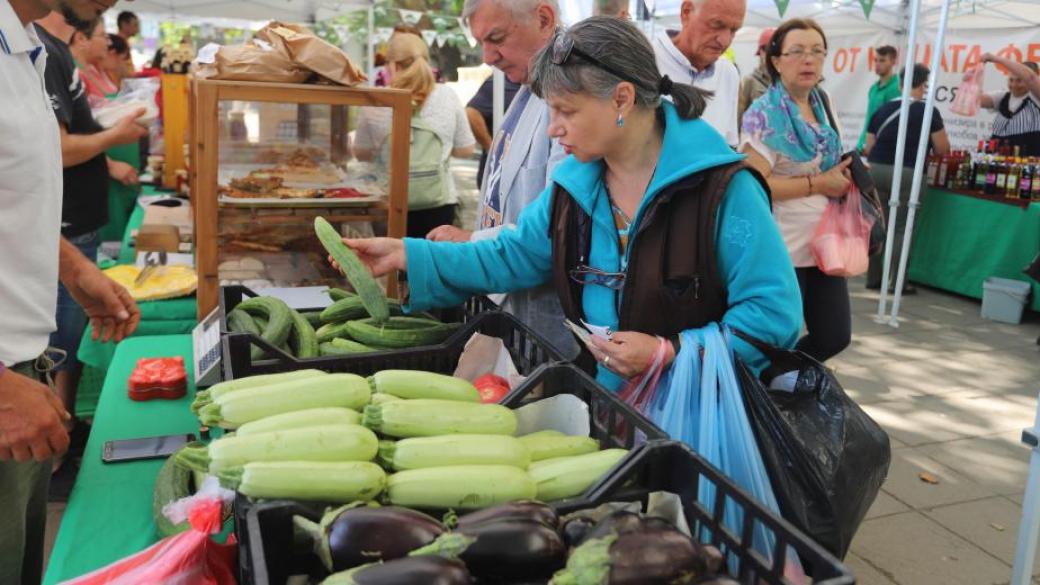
[763, 294]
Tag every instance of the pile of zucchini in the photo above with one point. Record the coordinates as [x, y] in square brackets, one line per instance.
[345, 327]
[276, 323]
[367, 320]
[418, 439]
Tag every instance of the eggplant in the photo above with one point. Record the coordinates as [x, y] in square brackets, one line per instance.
[522, 510]
[622, 522]
[425, 570]
[352, 536]
[647, 555]
[713, 558]
[511, 549]
[576, 530]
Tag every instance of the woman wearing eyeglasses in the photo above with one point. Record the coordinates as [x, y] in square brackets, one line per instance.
[789, 137]
[650, 227]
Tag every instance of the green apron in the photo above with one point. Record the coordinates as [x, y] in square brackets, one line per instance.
[121, 199]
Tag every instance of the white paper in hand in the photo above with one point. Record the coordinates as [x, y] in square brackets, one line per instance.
[582, 333]
[598, 331]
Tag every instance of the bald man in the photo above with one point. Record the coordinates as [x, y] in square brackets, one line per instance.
[691, 55]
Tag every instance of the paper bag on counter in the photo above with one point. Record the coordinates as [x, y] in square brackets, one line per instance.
[487, 355]
[308, 51]
[252, 61]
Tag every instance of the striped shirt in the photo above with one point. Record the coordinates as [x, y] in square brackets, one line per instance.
[1018, 122]
[1024, 118]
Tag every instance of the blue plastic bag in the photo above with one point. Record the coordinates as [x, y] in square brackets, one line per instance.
[700, 404]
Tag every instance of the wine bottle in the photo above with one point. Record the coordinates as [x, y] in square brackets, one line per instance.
[1014, 169]
[1001, 178]
[991, 176]
[1025, 183]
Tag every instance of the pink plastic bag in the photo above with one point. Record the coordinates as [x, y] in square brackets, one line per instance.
[188, 557]
[969, 93]
[640, 390]
[841, 242]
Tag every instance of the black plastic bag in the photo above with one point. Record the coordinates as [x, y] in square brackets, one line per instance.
[826, 458]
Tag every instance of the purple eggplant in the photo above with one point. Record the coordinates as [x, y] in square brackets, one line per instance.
[522, 510]
[576, 530]
[623, 522]
[425, 570]
[511, 549]
[713, 559]
[352, 536]
[648, 554]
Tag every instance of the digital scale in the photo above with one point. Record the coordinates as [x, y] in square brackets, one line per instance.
[206, 350]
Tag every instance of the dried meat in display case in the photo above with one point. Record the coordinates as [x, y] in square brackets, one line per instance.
[267, 158]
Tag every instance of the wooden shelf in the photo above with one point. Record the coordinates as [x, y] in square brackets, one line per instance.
[204, 140]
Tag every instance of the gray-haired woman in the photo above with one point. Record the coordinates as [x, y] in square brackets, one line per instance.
[650, 227]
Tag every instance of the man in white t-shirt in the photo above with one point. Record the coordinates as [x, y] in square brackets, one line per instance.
[691, 56]
[35, 257]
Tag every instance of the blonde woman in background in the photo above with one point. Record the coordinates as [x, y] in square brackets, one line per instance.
[437, 109]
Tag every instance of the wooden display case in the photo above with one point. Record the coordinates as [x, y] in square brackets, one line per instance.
[267, 158]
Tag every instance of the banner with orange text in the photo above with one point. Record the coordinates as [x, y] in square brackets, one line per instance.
[849, 72]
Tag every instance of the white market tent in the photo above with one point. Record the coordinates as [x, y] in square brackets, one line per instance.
[246, 10]
[846, 16]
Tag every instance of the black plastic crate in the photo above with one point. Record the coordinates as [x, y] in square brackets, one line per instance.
[613, 423]
[267, 555]
[671, 466]
[265, 552]
[527, 348]
[265, 531]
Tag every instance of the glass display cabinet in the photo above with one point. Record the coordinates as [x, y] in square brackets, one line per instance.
[268, 157]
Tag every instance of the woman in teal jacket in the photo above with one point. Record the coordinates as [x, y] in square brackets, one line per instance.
[638, 167]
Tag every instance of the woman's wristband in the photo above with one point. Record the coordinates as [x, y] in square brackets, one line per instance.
[809, 178]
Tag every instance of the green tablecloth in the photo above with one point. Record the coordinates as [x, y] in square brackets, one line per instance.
[960, 241]
[168, 317]
[109, 514]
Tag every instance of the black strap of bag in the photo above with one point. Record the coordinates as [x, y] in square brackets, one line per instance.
[871, 207]
[892, 118]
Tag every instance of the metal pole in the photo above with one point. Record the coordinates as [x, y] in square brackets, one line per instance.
[371, 41]
[1029, 529]
[922, 152]
[897, 174]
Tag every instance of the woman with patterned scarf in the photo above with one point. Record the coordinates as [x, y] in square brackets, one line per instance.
[792, 140]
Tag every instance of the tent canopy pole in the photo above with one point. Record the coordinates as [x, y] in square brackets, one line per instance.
[897, 170]
[922, 153]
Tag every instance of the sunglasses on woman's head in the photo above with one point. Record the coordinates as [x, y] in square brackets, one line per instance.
[563, 49]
